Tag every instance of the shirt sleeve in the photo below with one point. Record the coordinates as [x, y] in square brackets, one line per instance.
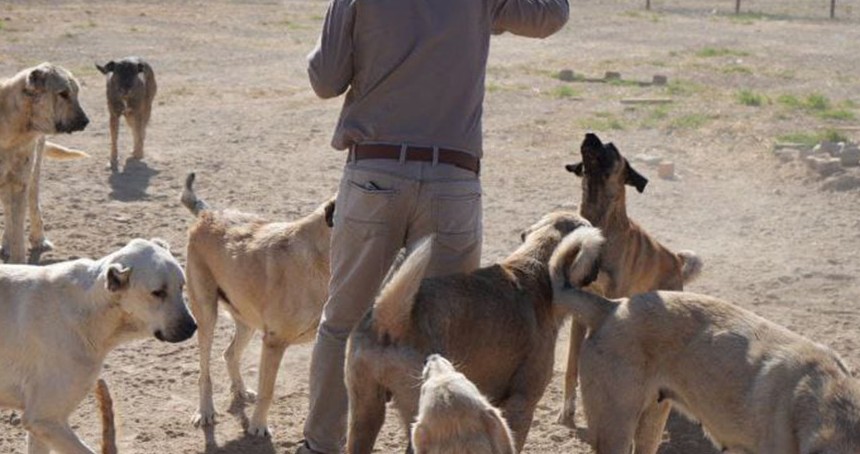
[532, 18]
[330, 65]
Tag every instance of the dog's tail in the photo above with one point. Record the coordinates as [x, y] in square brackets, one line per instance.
[61, 153]
[393, 306]
[189, 198]
[106, 408]
[575, 264]
[692, 266]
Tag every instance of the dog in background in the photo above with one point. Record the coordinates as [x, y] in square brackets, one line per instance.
[454, 417]
[35, 102]
[632, 261]
[498, 323]
[58, 323]
[131, 88]
[271, 276]
[755, 386]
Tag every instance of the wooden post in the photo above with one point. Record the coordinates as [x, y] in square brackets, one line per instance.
[648, 5]
[738, 6]
[832, 9]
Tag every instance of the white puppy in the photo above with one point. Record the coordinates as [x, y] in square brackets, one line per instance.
[59, 322]
[454, 417]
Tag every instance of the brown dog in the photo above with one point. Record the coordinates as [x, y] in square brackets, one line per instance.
[454, 417]
[497, 323]
[131, 88]
[632, 261]
[34, 103]
[755, 386]
[271, 276]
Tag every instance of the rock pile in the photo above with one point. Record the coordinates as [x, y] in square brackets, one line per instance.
[836, 162]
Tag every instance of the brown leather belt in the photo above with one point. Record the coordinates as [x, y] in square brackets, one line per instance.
[460, 159]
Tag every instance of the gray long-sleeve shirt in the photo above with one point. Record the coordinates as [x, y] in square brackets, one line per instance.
[415, 68]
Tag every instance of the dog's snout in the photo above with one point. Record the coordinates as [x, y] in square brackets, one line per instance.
[187, 331]
[78, 124]
[82, 123]
[178, 333]
[432, 358]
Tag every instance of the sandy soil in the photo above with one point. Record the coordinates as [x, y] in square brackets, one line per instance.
[235, 106]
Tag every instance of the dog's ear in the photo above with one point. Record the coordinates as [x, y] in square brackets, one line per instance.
[575, 169]
[106, 68]
[499, 434]
[329, 213]
[162, 243]
[37, 80]
[117, 277]
[635, 179]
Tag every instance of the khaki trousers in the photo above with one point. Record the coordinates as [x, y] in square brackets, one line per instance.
[383, 206]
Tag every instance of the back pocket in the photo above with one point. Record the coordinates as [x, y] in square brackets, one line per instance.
[458, 220]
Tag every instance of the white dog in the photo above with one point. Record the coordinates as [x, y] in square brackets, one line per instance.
[59, 322]
[454, 417]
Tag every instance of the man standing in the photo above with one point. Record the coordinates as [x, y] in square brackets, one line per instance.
[411, 120]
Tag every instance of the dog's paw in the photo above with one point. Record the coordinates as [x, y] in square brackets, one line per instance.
[203, 419]
[259, 430]
[113, 166]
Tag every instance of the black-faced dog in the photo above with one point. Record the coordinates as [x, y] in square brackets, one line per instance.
[131, 88]
[632, 261]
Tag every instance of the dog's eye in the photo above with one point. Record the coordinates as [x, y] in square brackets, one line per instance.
[160, 294]
[64, 94]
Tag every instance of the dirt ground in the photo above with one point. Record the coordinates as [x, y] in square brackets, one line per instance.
[234, 105]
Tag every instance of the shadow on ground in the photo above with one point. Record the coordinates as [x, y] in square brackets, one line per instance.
[131, 184]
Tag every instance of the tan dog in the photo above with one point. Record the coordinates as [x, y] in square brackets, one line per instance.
[106, 409]
[497, 323]
[755, 386]
[131, 88]
[271, 276]
[632, 261]
[59, 322]
[34, 103]
[454, 417]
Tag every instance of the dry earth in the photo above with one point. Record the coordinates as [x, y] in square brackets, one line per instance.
[234, 105]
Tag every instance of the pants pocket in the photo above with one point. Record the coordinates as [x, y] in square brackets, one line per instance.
[366, 200]
[457, 221]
